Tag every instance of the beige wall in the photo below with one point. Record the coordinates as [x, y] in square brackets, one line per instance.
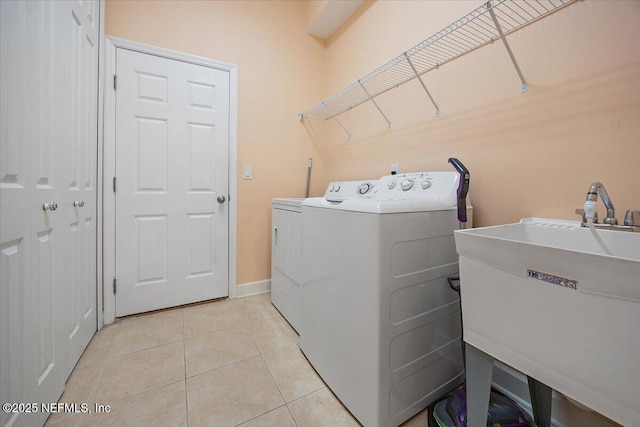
[531, 154]
[279, 70]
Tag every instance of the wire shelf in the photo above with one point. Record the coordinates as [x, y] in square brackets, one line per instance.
[491, 21]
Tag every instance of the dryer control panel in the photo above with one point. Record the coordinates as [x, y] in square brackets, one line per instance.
[346, 190]
[417, 185]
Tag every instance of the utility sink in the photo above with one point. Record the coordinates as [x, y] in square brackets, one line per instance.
[560, 304]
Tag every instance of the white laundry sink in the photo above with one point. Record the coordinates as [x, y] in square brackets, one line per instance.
[559, 304]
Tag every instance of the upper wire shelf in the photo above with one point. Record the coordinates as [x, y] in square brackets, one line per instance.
[489, 22]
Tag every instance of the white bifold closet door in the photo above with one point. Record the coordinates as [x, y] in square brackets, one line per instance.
[48, 155]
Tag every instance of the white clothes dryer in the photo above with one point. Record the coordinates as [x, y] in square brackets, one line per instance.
[286, 246]
[286, 258]
[381, 324]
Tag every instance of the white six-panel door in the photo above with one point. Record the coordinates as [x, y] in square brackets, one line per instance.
[48, 152]
[172, 159]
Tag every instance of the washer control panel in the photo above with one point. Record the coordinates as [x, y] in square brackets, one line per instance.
[343, 190]
[417, 185]
[417, 181]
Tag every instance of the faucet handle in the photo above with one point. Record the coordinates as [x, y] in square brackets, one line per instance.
[632, 217]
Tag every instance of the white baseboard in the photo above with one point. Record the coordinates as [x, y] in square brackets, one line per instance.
[253, 288]
[564, 414]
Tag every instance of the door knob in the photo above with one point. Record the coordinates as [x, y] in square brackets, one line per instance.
[50, 206]
[78, 203]
[221, 199]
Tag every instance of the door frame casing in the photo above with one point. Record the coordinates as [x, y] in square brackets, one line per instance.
[109, 158]
[99, 172]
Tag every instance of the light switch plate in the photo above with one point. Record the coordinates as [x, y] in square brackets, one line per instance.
[248, 172]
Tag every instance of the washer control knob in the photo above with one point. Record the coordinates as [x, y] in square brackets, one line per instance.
[407, 184]
[331, 189]
[363, 188]
[337, 188]
[391, 185]
[426, 184]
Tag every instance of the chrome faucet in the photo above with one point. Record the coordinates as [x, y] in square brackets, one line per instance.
[592, 196]
[590, 216]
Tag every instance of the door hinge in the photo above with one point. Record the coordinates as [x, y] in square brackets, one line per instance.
[115, 80]
[114, 285]
[114, 184]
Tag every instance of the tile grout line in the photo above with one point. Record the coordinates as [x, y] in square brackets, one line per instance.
[104, 363]
[107, 357]
[252, 339]
[224, 366]
[295, 421]
[245, 322]
[94, 388]
[144, 391]
[273, 378]
[260, 353]
[307, 394]
[297, 340]
[295, 400]
[143, 349]
[184, 358]
[284, 402]
[246, 330]
[82, 362]
[214, 330]
[242, 324]
[264, 413]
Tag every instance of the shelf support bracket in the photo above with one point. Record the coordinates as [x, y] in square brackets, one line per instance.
[523, 86]
[336, 119]
[374, 103]
[423, 85]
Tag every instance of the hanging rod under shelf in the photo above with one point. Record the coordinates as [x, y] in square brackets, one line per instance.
[492, 21]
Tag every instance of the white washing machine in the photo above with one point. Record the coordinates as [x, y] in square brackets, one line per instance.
[286, 246]
[381, 324]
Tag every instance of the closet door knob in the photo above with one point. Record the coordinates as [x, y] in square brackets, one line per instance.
[50, 206]
[78, 203]
[221, 199]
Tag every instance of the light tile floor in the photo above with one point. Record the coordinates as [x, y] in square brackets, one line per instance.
[223, 363]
